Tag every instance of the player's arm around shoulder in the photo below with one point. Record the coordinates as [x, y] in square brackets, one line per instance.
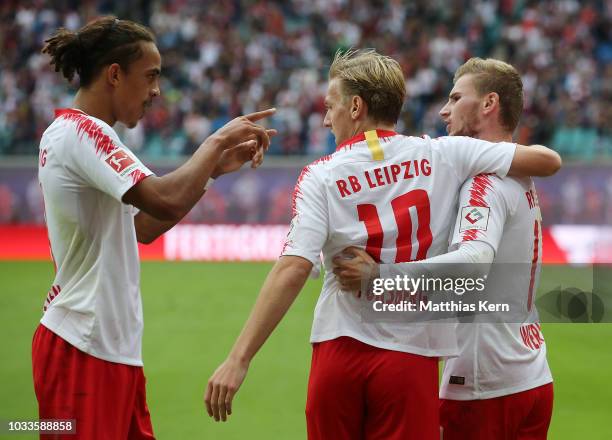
[485, 156]
[534, 160]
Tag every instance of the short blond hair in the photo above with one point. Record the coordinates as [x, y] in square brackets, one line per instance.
[376, 78]
[493, 75]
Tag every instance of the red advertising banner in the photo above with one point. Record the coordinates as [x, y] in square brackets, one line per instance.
[562, 243]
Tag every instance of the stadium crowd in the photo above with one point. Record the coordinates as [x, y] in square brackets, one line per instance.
[224, 58]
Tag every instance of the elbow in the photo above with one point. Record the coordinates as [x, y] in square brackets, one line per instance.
[549, 162]
[146, 237]
[558, 163]
[553, 164]
[145, 240]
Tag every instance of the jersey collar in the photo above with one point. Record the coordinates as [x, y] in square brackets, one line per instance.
[361, 137]
[67, 111]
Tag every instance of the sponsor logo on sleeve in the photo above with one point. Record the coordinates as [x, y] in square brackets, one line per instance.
[121, 162]
[474, 218]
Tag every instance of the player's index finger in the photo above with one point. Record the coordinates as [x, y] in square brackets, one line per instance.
[260, 115]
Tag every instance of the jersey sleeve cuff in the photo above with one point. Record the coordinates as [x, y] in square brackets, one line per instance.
[135, 178]
[477, 241]
[315, 260]
[506, 168]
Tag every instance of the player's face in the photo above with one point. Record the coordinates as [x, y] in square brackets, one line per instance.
[338, 116]
[138, 86]
[462, 111]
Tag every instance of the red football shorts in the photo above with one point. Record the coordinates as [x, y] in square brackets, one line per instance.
[357, 391]
[520, 416]
[107, 400]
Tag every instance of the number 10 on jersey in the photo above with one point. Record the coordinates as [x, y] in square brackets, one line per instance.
[368, 214]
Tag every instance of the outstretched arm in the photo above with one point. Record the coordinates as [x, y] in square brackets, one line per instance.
[149, 228]
[278, 292]
[172, 196]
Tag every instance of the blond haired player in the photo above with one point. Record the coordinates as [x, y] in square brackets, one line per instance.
[369, 380]
[500, 386]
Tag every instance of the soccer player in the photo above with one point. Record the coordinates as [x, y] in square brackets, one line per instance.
[368, 379]
[99, 201]
[500, 386]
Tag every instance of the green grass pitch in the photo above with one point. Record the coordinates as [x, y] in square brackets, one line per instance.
[193, 313]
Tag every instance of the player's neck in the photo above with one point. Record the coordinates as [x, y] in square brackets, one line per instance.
[94, 104]
[371, 125]
[494, 134]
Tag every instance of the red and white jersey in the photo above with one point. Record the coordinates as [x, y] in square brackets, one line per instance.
[390, 194]
[505, 358]
[94, 303]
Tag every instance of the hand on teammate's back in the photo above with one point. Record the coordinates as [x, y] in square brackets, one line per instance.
[244, 128]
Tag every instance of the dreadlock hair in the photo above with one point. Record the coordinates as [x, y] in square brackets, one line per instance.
[103, 41]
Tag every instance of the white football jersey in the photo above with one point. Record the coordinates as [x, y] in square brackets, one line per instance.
[506, 358]
[390, 194]
[94, 303]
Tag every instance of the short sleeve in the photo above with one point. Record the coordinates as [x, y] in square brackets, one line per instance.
[94, 152]
[308, 232]
[482, 212]
[469, 156]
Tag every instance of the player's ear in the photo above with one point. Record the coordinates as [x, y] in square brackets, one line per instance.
[490, 102]
[357, 107]
[112, 74]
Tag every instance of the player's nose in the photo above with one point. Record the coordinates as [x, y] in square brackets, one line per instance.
[444, 112]
[156, 91]
[327, 121]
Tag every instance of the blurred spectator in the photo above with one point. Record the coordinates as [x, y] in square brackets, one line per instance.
[573, 140]
[222, 59]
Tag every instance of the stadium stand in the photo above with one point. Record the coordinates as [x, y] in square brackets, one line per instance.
[230, 57]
